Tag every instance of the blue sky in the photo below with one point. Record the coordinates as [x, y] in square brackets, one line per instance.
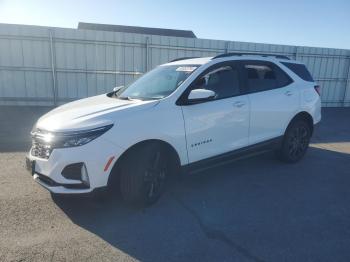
[295, 22]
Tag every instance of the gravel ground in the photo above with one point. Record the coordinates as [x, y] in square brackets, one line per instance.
[255, 209]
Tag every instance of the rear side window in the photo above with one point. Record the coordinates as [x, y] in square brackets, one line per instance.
[262, 77]
[300, 70]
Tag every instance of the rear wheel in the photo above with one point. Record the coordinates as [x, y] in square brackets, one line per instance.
[143, 175]
[295, 142]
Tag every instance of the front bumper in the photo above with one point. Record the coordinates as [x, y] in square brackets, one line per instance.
[57, 188]
[94, 155]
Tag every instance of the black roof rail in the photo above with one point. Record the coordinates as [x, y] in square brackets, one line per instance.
[252, 53]
[183, 58]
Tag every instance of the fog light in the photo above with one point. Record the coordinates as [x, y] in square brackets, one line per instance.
[84, 176]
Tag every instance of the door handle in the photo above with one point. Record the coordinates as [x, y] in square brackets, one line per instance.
[238, 104]
[288, 93]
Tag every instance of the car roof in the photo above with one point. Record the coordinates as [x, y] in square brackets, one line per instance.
[205, 60]
[191, 61]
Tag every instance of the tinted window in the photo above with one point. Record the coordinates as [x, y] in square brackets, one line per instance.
[223, 81]
[300, 70]
[262, 77]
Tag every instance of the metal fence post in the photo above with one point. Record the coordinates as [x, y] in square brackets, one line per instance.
[227, 47]
[347, 86]
[296, 53]
[147, 54]
[53, 70]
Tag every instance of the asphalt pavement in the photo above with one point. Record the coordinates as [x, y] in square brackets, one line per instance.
[256, 209]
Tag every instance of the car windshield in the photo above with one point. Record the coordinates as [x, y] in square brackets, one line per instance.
[158, 83]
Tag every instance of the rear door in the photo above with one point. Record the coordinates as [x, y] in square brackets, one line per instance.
[274, 99]
[219, 125]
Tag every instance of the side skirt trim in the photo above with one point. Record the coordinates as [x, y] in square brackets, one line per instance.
[234, 155]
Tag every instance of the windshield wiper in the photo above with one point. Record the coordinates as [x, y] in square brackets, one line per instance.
[153, 98]
[123, 97]
[129, 98]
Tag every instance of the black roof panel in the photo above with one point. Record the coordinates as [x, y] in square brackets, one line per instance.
[137, 30]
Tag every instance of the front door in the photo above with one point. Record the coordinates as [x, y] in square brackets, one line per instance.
[222, 124]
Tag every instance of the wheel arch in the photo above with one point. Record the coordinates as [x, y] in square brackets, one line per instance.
[171, 152]
[303, 115]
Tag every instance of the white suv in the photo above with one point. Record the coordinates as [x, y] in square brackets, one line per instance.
[187, 114]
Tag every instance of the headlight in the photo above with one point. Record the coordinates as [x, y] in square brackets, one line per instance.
[76, 138]
[67, 139]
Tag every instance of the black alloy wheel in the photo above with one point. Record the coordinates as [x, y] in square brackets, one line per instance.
[295, 142]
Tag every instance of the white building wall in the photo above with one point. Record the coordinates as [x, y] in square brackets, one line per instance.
[47, 66]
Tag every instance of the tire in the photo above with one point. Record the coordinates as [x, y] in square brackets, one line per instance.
[295, 142]
[143, 175]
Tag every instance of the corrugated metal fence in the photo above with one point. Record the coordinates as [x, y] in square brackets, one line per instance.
[48, 66]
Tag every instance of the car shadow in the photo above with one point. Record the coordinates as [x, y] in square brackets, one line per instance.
[243, 208]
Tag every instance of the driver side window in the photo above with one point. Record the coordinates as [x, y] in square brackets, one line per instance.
[223, 81]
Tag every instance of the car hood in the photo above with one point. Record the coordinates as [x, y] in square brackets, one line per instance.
[88, 113]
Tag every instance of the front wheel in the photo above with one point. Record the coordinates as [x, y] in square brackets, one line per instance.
[295, 142]
[143, 175]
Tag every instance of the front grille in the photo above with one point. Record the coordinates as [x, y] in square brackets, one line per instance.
[40, 150]
[39, 147]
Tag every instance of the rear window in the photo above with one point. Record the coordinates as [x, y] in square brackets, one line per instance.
[300, 70]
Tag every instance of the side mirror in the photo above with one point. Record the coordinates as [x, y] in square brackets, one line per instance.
[117, 88]
[198, 95]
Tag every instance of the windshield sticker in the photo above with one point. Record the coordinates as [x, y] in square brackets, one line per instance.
[186, 68]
